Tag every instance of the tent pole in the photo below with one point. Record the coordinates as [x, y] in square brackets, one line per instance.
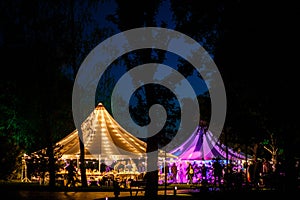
[99, 162]
[246, 165]
[226, 148]
[166, 178]
[77, 161]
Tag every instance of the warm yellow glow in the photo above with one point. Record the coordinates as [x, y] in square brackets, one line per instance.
[100, 131]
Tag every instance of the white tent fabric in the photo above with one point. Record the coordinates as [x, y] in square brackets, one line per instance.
[202, 145]
[103, 138]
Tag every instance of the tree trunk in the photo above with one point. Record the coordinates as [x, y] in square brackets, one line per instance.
[51, 167]
[151, 176]
[291, 175]
[82, 164]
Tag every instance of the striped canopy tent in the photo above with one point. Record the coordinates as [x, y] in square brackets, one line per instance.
[203, 145]
[103, 138]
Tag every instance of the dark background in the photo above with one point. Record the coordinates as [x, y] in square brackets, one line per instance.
[253, 43]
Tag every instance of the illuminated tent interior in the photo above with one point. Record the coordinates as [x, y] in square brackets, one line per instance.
[105, 139]
[203, 145]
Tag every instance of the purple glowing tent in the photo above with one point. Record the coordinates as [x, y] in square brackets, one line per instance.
[202, 145]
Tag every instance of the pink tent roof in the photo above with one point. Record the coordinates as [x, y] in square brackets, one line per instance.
[202, 145]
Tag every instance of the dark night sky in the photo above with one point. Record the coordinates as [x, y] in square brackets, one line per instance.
[258, 52]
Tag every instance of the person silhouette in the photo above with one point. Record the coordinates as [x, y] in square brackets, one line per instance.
[180, 173]
[174, 173]
[71, 176]
[217, 169]
[190, 173]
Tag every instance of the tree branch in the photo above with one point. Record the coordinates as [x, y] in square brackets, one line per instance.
[269, 150]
